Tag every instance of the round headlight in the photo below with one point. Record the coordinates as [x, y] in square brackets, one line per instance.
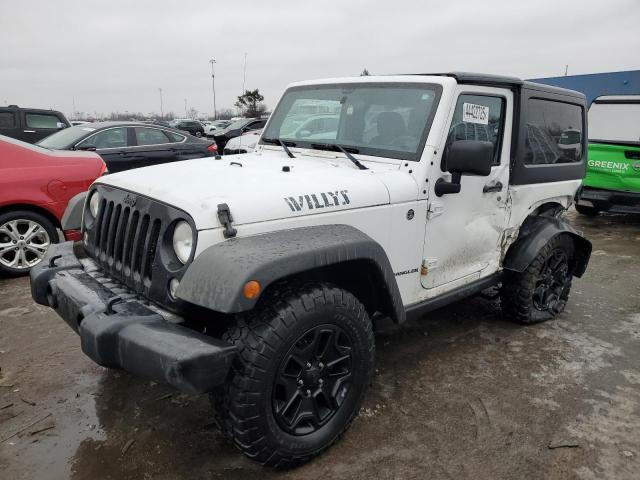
[94, 203]
[183, 241]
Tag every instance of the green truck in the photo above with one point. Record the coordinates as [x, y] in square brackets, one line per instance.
[612, 183]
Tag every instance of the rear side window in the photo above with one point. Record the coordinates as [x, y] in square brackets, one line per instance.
[553, 133]
[150, 136]
[7, 120]
[41, 120]
[478, 117]
[175, 137]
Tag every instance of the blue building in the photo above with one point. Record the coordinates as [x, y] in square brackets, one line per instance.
[595, 84]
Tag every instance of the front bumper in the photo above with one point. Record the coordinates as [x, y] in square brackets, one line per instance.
[119, 330]
[613, 201]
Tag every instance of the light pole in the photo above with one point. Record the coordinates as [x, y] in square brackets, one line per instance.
[244, 73]
[161, 112]
[213, 84]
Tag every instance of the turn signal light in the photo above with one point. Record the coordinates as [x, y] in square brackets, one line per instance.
[251, 289]
[213, 147]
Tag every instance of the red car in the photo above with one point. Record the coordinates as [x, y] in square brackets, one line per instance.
[35, 186]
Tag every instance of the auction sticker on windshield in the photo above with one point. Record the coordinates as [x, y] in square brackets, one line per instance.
[472, 113]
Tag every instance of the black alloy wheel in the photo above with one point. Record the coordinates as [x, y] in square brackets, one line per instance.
[552, 282]
[313, 379]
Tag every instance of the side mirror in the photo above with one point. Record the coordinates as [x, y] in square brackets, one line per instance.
[60, 125]
[465, 157]
[87, 148]
[470, 157]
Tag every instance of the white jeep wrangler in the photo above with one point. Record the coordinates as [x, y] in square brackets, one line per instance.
[258, 278]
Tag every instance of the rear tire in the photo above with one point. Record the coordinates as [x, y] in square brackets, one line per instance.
[198, 134]
[305, 360]
[541, 291]
[588, 211]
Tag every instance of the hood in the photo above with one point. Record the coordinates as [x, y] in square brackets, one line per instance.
[261, 186]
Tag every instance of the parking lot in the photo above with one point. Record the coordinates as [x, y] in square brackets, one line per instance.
[457, 394]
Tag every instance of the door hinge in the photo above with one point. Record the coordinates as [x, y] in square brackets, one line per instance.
[224, 215]
[435, 210]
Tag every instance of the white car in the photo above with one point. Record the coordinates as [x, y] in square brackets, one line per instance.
[212, 126]
[258, 278]
[244, 143]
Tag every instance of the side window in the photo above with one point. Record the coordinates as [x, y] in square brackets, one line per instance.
[553, 133]
[150, 136]
[111, 138]
[7, 120]
[478, 117]
[175, 137]
[41, 120]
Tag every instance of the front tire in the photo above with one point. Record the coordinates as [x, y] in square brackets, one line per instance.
[25, 237]
[541, 291]
[198, 134]
[305, 360]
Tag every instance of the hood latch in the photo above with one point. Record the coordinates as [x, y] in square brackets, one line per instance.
[224, 215]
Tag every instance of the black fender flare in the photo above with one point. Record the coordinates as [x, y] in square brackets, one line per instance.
[216, 278]
[72, 217]
[535, 233]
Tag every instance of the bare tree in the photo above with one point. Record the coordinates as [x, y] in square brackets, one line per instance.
[192, 113]
[225, 114]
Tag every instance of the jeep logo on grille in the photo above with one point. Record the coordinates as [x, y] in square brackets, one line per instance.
[130, 200]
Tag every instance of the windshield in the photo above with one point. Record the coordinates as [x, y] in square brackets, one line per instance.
[65, 138]
[386, 120]
[238, 124]
[615, 120]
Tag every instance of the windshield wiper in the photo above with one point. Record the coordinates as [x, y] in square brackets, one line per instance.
[277, 141]
[334, 146]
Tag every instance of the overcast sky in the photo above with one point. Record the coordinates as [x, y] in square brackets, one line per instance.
[114, 55]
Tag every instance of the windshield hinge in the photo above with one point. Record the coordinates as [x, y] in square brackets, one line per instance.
[224, 215]
[435, 210]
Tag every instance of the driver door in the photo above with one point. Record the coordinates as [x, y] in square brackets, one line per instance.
[464, 230]
[111, 144]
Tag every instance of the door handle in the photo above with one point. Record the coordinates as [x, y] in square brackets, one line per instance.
[29, 131]
[496, 187]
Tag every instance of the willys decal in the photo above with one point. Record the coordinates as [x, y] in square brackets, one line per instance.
[318, 200]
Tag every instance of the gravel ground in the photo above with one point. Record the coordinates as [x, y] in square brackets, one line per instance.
[457, 394]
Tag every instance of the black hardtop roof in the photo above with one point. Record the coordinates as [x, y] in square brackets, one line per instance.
[505, 81]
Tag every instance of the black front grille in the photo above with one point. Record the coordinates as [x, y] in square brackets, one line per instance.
[130, 240]
[125, 242]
